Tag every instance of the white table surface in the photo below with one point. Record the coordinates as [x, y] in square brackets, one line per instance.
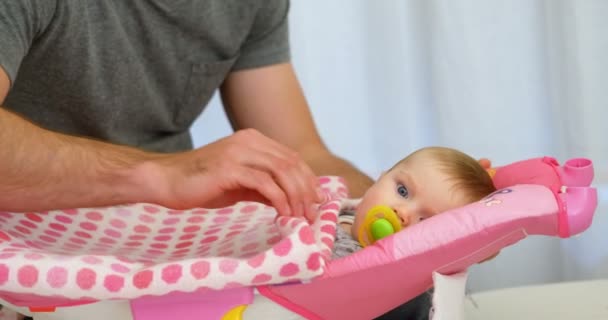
[584, 300]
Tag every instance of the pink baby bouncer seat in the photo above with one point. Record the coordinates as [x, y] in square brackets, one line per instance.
[241, 262]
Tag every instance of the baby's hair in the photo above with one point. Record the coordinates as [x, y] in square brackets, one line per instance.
[468, 175]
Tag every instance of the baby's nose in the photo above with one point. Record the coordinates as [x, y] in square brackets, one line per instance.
[403, 216]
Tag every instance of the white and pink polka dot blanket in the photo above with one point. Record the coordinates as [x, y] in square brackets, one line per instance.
[67, 257]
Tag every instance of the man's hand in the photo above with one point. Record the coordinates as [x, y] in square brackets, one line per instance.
[244, 166]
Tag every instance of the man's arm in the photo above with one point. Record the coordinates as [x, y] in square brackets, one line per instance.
[270, 100]
[44, 170]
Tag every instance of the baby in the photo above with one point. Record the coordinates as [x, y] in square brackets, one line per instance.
[427, 182]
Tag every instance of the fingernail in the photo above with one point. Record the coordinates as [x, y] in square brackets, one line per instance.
[320, 195]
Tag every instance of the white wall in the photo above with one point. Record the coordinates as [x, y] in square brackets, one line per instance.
[505, 79]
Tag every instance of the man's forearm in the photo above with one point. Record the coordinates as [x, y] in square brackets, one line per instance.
[325, 163]
[43, 170]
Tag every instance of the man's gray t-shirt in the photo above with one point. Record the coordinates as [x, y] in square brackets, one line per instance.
[134, 72]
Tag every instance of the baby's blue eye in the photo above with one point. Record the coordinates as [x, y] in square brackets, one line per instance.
[402, 190]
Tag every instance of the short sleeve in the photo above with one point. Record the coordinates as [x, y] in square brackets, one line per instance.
[268, 41]
[21, 21]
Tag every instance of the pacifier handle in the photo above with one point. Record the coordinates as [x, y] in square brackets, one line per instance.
[380, 221]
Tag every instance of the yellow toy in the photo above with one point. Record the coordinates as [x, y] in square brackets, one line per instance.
[380, 221]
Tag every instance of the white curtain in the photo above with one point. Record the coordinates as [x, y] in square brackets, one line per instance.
[504, 79]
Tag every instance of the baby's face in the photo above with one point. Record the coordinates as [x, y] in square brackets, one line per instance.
[416, 190]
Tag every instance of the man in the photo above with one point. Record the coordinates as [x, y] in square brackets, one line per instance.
[98, 98]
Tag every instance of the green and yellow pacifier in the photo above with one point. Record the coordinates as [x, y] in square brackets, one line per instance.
[380, 221]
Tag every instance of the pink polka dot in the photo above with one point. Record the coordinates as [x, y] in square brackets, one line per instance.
[83, 234]
[289, 270]
[70, 247]
[4, 273]
[212, 231]
[187, 236]
[209, 239]
[249, 208]
[183, 244]
[176, 212]
[154, 252]
[94, 215]
[180, 251]
[330, 206]
[250, 246]
[4, 236]
[328, 216]
[119, 268]
[88, 226]
[141, 229]
[6, 255]
[57, 277]
[165, 237]
[172, 273]
[295, 222]
[232, 284]
[124, 259]
[142, 279]
[28, 224]
[133, 244]
[200, 211]
[158, 245]
[27, 276]
[77, 240]
[261, 278]
[226, 253]
[58, 227]
[33, 256]
[170, 221]
[64, 219]
[200, 270]
[227, 210]
[327, 241]
[282, 248]
[306, 235]
[273, 240]
[283, 221]
[92, 260]
[314, 261]
[23, 230]
[47, 239]
[232, 234]
[195, 219]
[123, 212]
[220, 219]
[228, 266]
[151, 209]
[52, 233]
[71, 212]
[107, 240]
[192, 229]
[113, 283]
[167, 230]
[329, 229]
[112, 233]
[237, 227]
[256, 260]
[146, 218]
[118, 224]
[34, 217]
[324, 180]
[137, 237]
